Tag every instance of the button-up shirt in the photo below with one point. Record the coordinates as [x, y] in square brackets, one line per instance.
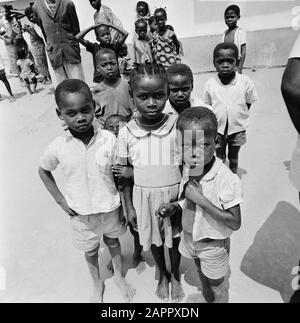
[229, 102]
[89, 183]
[223, 189]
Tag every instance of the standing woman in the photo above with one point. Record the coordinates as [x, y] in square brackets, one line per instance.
[38, 45]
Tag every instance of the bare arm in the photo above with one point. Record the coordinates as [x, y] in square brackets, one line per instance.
[49, 182]
[291, 91]
[122, 31]
[176, 43]
[80, 36]
[242, 60]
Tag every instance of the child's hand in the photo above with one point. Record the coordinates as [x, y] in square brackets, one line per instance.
[193, 192]
[122, 217]
[132, 218]
[166, 210]
[122, 171]
[64, 205]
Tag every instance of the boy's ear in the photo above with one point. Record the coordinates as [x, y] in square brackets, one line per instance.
[58, 113]
[218, 141]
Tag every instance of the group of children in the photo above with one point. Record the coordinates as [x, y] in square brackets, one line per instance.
[148, 154]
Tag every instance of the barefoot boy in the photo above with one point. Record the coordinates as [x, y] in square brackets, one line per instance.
[85, 153]
[211, 196]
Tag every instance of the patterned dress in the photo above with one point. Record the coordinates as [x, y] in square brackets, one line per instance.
[164, 50]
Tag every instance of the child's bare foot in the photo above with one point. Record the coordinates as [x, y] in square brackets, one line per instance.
[98, 293]
[128, 292]
[12, 99]
[208, 294]
[177, 293]
[162, 291]
[139, 263]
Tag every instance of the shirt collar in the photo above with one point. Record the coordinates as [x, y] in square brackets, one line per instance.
[233, 82]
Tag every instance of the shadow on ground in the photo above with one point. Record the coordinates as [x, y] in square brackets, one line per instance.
[275, 251]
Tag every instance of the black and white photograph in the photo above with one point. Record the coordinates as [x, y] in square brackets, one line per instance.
[150, 153]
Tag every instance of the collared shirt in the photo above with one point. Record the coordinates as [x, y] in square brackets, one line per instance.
[194, 102]
[229, 102]
[223, 189]
[89, 183]
[239, 39]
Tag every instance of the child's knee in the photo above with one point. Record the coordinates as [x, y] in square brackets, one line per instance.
[216, 282]
[93, 252]
[111, 243]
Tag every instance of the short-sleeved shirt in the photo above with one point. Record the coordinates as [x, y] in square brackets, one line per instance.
[94, 49]
[153, 154]
[194, 102]
[229, 102]
[142, 50]
[89, 182]
[113, 100]
[295, 161]
[223, 189]
[239, 39]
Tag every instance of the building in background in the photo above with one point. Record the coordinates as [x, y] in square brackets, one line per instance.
[200, 23]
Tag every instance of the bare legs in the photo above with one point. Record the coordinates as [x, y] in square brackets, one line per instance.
[114, 248]
[233, 155]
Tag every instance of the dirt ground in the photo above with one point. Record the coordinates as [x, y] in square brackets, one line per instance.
[37, 254]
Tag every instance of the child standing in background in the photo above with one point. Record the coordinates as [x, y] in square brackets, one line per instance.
[104, 39]
[210, 197]
[141, 47]
[148, 143]
[143, 11]
[112, 95]
[235, 34]
[165, 46]
[152, 26]
[27, 71]
[181, 84]
[4, 79]
[230, 95]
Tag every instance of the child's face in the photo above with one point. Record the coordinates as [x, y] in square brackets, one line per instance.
[231, 18]
[96, 4]
[78, 112]
[108, 66]
[32, 17]
[142, 10]
[225, 62]
[198, 145]
[141, 30]
[114, 125]
[103, 35]
[160, 19]
[150, 95]
[153, 26]
[180, 90]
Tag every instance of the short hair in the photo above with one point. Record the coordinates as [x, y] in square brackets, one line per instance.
[105, 51]
[234, 8]
[70, 86]
[28, 11]
[226, 45]
[147, 69]
[180, 69]
[143, 3]
[141, 21]
[161, 10]
[117, 116]
[199, 115]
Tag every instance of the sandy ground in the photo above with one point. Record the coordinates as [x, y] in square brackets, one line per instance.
[37, 255]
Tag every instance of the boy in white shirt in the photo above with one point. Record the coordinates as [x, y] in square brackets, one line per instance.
[210, 197]
[230, 95]
[86, 154]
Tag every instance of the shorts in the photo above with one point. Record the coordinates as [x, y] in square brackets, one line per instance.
[2, 75]
[236, 139]
[213, 255]
[89, 229]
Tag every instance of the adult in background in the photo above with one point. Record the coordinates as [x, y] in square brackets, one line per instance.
[106, 16]
[59, 23]
[37, 43]
[290, 88]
